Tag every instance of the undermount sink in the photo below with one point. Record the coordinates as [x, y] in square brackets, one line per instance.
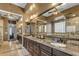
[58, 44]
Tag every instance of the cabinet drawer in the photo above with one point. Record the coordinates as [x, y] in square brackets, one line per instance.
[25, 43]
[31, 51]
[19, 39]
[45, 52]
[36, 46]
[45, 48]
[37, 50]
[59, 53]
[36, 54]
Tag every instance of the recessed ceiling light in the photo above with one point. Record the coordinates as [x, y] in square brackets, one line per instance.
[31, 7]
[53, 4]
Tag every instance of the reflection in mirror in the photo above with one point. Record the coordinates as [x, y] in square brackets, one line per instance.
[72, 24]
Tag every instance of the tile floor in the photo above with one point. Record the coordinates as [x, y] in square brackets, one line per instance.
[13, 48]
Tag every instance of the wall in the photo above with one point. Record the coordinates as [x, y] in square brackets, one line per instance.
[1, 29]
[10, 8]
[5, 30]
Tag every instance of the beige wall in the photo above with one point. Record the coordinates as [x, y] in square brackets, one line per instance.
[5, 29]
[10, 8]
[1, 29]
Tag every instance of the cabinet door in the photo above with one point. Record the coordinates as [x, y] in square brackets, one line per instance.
[19, 39]
[59, 53]
[44, 54]
[36, 48]
[45, 50]
[30, 46]
[25, 43]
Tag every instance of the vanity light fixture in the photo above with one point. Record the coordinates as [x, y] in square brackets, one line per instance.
[27, 20]
[33, 16]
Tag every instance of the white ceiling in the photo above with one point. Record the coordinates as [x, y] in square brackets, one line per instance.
[60, 8]
[22, 5]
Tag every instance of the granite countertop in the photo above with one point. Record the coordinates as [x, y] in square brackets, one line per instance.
[65, 49]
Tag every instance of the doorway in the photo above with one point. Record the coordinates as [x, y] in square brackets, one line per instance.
[12, 32]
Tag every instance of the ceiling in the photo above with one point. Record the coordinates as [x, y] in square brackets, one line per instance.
[38, 9]
[22, 5]
[10, 16]
[60, 8]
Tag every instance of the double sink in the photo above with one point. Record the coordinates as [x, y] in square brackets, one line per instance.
[53, 43]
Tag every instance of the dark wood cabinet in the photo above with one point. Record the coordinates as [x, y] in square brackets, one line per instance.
[39, 49]
[36, 48]
[30, 47]
[45, 50]
[59, 53]
[19, 38]
[25, 42]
